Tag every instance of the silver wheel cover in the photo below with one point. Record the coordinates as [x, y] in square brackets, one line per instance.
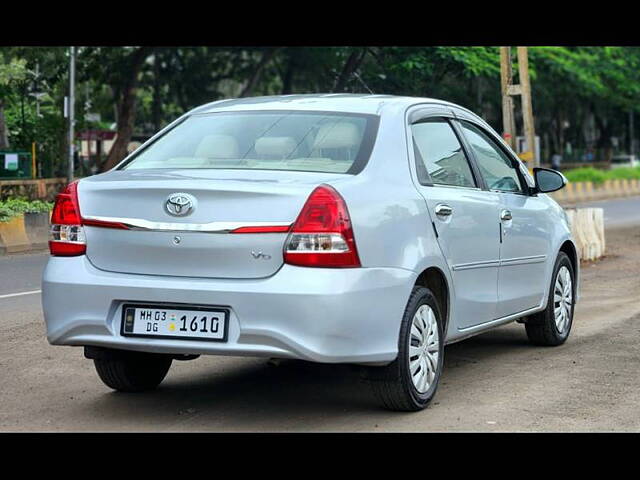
[424, 348]
[562, 299]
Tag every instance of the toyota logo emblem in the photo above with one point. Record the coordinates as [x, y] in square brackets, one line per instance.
[180, 204]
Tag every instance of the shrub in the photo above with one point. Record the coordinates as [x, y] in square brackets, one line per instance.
[586, 174]
[625, 173]
[14, 207]
[590, 174]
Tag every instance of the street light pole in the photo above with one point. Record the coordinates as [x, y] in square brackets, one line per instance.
[631, 152]
[72, 98]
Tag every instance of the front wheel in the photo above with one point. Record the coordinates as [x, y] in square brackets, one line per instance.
[552, 325]
[133, 371]
[409, 383]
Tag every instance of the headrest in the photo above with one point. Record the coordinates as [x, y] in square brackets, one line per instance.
[337, 135]
[218, 146]
[280, 147]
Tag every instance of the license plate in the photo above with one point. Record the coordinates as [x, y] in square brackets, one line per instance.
[201, 323]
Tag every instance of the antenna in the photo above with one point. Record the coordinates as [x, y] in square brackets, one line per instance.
[362, 81]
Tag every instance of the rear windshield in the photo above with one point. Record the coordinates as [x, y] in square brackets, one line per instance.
[275, 140]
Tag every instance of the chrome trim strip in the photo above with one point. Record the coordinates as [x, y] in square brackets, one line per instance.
[212, 227]
[523, 260]
[469, 266]
[501, 263]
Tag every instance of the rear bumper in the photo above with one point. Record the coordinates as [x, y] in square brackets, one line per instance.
[321, 315]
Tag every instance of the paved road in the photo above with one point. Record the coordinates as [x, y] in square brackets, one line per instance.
[21, 273]
[620, 212]
[492, 382]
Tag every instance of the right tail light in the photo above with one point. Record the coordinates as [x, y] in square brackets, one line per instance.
[322, 235]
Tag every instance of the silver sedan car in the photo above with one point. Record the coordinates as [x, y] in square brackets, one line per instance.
[363, 229]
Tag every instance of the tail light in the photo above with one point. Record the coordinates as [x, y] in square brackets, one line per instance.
[67, 237]
[322, 235]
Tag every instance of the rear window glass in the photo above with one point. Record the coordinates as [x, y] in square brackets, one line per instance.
[284, 140]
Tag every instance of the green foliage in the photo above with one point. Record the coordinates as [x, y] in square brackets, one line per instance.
[590, 174]
[624, 173]
[42, 71]
[11, 71]
[14, 207]
[572, 86]
[587, 174]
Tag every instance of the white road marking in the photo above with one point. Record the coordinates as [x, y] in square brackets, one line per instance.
[19, 294]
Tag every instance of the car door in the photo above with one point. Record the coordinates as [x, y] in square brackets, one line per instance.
[524, 220]
[463, 215]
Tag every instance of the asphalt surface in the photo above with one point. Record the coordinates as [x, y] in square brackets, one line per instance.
[496, 381]
[617, 212]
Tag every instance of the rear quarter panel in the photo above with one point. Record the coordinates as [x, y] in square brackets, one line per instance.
[390, 220]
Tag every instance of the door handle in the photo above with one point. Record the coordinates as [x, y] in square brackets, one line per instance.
[505, 215]
[443, 210]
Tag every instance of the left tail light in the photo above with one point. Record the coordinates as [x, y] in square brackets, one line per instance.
[67, 238]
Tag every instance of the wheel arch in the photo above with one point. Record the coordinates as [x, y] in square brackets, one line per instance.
[435, 280]
[568, 247]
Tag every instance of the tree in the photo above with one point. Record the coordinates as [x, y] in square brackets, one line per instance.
[12, 70]
[120, 68]
[141, 89]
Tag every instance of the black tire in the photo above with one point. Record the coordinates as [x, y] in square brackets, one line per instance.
[541, 327]
[392, 384]
[133, 371]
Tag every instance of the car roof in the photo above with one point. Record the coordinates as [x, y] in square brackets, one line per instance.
[337, 102]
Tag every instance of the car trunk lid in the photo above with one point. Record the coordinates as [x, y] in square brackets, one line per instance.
[199, 244]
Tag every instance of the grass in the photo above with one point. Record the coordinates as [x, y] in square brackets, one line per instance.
[590, 174]
[14, 207]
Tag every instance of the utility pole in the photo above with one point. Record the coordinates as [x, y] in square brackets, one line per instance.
[524, 90]
[72, 98]
[527, 109]
[506, 82]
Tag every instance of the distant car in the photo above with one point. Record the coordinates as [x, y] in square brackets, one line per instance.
[330, 228]
[624, 161]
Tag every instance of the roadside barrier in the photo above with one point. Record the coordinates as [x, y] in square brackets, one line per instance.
[37, 227]
[587, 226]
[25, 233]
[13, 236]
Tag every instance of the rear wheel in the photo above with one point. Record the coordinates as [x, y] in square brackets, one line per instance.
[133, 371]
[409, 383]
[552, 325]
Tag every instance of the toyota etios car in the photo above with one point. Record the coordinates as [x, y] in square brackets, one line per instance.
[365, 229]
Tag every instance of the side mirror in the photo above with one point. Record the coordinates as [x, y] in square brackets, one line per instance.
[548, 180]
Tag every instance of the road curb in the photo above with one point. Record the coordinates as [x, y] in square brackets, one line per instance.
[589, 191]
